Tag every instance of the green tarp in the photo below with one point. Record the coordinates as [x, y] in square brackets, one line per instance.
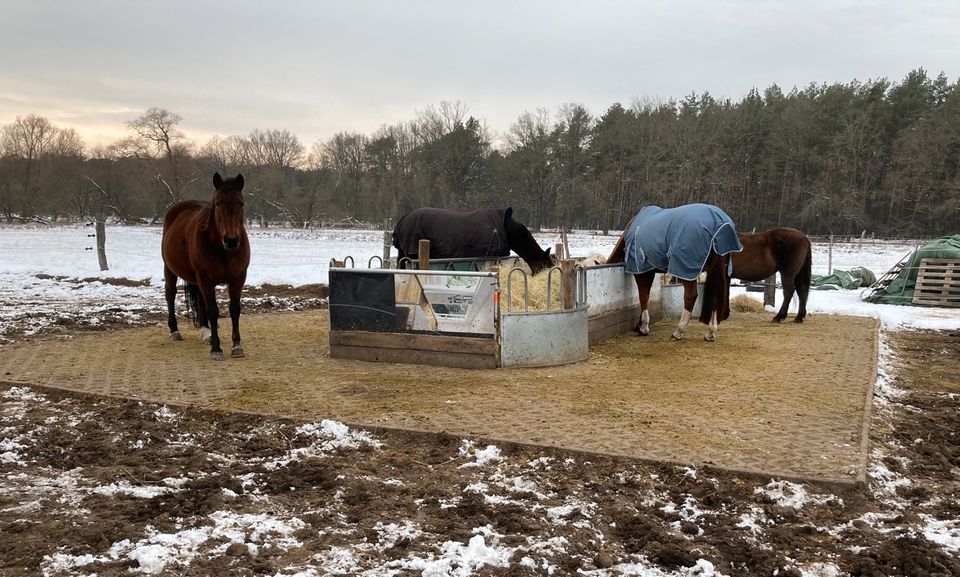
[899, 291]
[844, 279]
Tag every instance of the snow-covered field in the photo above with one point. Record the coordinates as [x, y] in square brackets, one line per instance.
[299, 257]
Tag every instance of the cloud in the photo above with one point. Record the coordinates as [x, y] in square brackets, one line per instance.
[321, 68]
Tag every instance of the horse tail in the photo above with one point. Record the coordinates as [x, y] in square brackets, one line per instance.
[193, 302]
[716, 290]
[804, 278]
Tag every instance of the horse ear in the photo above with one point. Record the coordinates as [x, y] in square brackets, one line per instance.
[548, 252]
[217, 180]
[239, 181]
[508, 213]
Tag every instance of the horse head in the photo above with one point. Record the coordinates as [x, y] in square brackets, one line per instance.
[522, 242]
[227, 208]
[537, 265]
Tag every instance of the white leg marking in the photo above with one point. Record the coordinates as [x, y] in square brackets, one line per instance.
[682, 327]
[205, 335]
[645, 322]
[712, 328]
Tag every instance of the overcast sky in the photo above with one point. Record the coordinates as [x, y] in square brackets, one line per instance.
[318, 68]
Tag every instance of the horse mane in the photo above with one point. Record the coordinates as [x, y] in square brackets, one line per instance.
[619, 252]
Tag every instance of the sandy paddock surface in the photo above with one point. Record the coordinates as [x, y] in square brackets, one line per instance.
[781, 399]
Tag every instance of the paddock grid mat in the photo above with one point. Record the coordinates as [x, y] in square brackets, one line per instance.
[791, 400]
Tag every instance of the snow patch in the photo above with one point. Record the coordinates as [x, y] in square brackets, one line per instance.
[459, 560]
[482, 457]
[787, 494]
[943, 533]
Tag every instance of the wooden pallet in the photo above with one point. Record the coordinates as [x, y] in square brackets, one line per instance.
[938, 282]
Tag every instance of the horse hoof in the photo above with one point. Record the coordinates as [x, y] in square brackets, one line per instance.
[205, 335]
[674, 337]
[709, 338]
[237, 352]
[176, 336]
[216, 356]
[777, 319]
[798, 320]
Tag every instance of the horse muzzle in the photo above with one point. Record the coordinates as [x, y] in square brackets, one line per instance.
[231, 242]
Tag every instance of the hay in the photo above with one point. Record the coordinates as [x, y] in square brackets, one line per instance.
[745, 304]
[594, 258]
[536, 285]
[536, 289]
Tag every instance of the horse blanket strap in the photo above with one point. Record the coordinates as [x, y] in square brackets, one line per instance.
[678, 240]
[454, 233]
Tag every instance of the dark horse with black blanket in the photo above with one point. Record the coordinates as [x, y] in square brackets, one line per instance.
[683, 241]
[205, 244]
[779, 249]
[485, 232]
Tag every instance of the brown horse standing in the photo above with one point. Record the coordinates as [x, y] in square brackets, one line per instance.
[205, 244]
[786, 250]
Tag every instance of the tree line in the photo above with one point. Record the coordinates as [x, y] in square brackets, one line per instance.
[828, 159]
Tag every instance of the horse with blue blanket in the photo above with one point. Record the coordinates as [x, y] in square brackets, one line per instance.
[683, 241]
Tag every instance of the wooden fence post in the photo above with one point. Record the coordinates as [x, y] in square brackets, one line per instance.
[567, 269]
[770, 291]
[101, 231]
[423, 255]
[387, 243]
[830, 257]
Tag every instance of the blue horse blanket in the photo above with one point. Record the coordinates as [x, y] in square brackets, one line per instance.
[678, 240]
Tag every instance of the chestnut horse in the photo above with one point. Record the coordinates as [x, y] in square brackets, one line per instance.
[485, 232]
[683, 241]
[786, 250]
[205, 244]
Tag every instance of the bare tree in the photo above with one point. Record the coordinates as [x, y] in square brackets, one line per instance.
[157, 140]
[345, 155]
[275, 148]
[65, 159]
[434, 123]
[104, 190]
[271, 160]
[532, 142]
[33, 150]
[223, 153]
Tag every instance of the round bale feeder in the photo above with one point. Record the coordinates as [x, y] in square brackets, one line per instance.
[465, 313]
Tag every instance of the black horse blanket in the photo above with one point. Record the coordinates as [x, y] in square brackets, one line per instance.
[678, 240]
[453, 233]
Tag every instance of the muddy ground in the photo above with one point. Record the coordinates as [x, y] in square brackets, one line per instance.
[117, 487]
